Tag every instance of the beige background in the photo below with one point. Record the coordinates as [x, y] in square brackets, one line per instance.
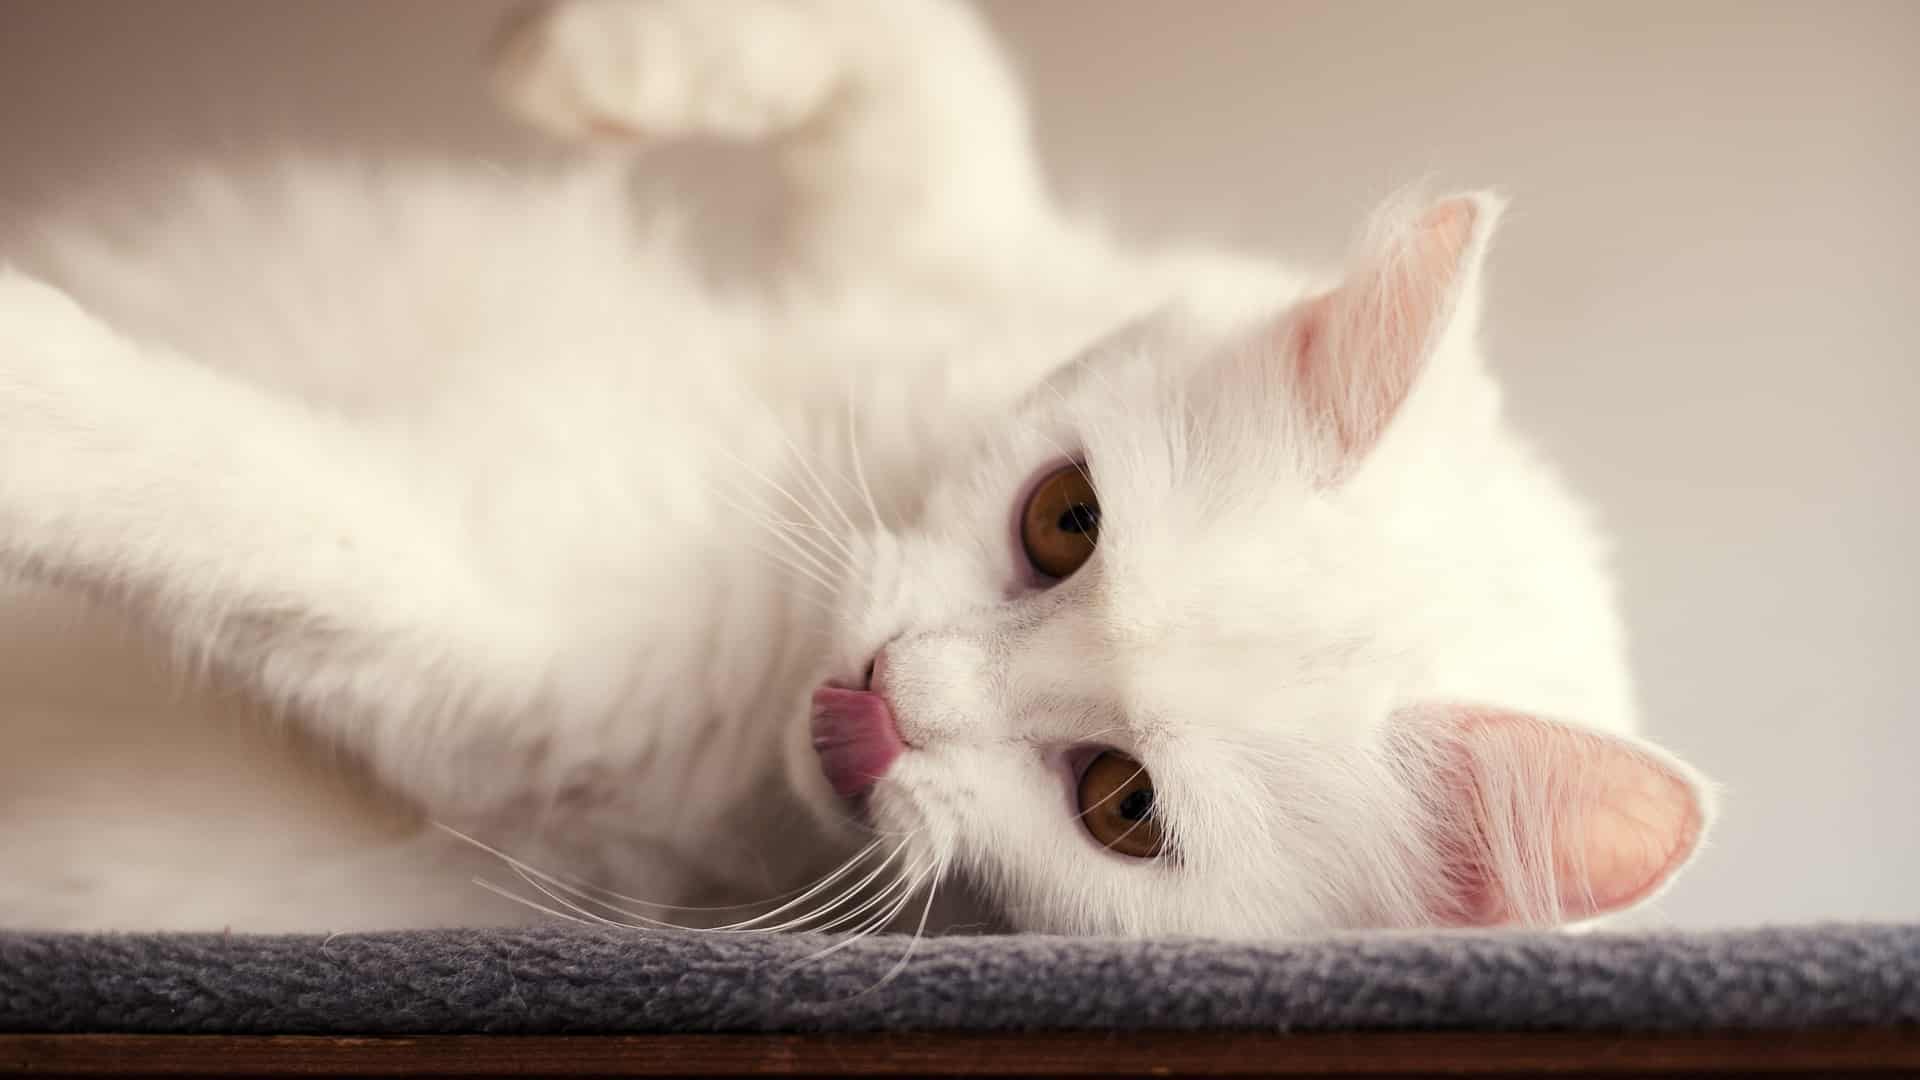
[1705, 299]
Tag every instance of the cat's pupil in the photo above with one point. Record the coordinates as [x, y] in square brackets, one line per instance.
[1137, 805]
[1080, 518]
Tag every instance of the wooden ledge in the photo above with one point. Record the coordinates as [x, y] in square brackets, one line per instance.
[1880, 1051]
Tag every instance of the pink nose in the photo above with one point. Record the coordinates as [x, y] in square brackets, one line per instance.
[854, 734]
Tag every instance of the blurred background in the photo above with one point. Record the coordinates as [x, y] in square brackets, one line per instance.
[1705, 302]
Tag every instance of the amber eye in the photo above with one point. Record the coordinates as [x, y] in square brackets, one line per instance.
[1061, 523]
[1116, 805]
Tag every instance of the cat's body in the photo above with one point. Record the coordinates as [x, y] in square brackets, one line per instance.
[489, 489]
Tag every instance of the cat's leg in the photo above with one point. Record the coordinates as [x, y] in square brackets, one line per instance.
[899, 123]
[258, 534]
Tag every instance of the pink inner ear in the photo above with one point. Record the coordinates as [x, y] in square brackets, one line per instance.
[1446, 228]
[1356, 351]
[1541, 823]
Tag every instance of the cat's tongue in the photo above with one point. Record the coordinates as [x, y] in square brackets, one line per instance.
[854, 734]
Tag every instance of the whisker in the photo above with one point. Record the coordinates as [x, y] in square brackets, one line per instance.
[800, 569]
[787, 532]
[821, 486]
[641, 922]
[844, 897]
[913, 943]
[884, 896]
[586, 893]
[789, 496]
[818, 486]
[859, 466]
[796, 893]
[865, 930]
[792, 532]
[524, 902]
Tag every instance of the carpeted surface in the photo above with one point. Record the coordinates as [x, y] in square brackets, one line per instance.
[580, 981]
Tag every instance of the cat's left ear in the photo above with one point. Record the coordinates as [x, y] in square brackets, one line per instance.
[1532, 822]
[1352, 355]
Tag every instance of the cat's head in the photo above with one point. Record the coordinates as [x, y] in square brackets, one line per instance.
[1209, 638]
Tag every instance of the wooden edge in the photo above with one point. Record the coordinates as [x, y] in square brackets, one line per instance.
[1857, 1052]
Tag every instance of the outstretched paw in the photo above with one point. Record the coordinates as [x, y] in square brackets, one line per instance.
[49, 346]
[662, 69]
[32, 310]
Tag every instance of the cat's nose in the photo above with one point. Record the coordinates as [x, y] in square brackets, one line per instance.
[856, 738]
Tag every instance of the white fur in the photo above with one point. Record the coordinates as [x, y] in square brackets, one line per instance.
[481, 485]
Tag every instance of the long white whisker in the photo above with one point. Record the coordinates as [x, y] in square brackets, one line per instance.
[796, 894]
[825, 492]
[866, 929]
[792, 532]
[886, 919]
[815, 484]
[804, 509]
[824, 883]
[889, 903]
[524, 902]
[919, 931]
[642, 922]
[789, 534]
[638, 922]
[859, 466]
[798, 568]
[884, 896]
[844, 897]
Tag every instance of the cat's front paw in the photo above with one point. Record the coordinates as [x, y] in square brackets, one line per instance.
[47, 343]
[58, 379]
[80, 403]
[31, 309]
[661, 69]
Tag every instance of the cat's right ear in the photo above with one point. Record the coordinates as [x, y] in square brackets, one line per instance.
[1350, 356]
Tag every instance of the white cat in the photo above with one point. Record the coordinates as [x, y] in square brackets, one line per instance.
[1141, 593]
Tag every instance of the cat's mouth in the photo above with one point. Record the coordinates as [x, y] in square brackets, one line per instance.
[856, 738]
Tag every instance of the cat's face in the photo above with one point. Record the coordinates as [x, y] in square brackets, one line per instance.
[1143, 658]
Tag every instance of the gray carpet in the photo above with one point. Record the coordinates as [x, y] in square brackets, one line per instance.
[572, 980]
